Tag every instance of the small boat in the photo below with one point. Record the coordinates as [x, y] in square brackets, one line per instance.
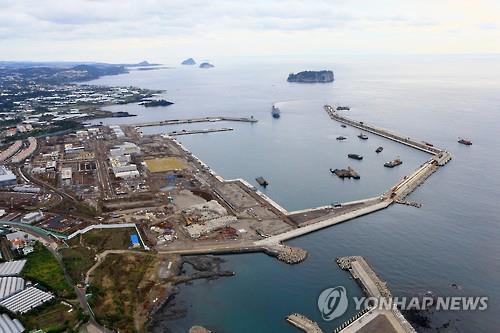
[343, 108]
[379, 149]
[275, 111]
[466, 142]
[355, 156]
[262, 181]
[428, 144]
[343, 125]
[363, 136]
[340, 138]
[393, 163]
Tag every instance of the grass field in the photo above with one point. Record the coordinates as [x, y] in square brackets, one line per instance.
[43, 267]
[119, 285]
[53, 317]
[80, 256]
[164, 164]
[77, 261]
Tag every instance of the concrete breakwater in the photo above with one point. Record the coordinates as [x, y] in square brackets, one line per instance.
[303, 323]
[194, 120]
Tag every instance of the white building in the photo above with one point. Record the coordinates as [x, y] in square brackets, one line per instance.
[7, 178]
[33, 217]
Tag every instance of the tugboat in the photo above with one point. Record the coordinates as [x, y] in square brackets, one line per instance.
[262, 182]
[362, 136]
[355, 156]
[393, 163]
[379, 149]
[465, 141]
[340, 138]
[275, 112]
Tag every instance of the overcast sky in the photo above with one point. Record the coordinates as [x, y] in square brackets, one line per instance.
[129, 31]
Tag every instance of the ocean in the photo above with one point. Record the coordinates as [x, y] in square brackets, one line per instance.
[453, 238]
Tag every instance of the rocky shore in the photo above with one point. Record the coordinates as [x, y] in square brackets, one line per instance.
[191, 268]
[291, 255]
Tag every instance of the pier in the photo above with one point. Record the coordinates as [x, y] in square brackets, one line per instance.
[376, 320]
[194, 120]
[420, 145]
[303, 323]
[201, 131]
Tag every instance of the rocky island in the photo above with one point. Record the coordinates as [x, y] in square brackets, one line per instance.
[159, 102]
[206, 65]
[311, 76]
[189, 61]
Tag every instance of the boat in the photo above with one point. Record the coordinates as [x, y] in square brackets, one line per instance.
[340, 138]
[428, 144]
[466, 142]
[345, 173]
[355, 156]
[262, 181]
[275, 111]
[393, 163]
[343, 108]
[379, 149]
[343, 125]
[363, 136]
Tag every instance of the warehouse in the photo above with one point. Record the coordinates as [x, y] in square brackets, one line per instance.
[31, 218]
[7, 178]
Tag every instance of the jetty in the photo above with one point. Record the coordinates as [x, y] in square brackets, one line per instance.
[200, 131]
[303, 323]
[376, 320]
[194, 120]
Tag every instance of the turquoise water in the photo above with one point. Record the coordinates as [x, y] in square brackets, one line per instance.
[453, 238]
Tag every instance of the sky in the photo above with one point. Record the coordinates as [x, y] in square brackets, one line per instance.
[159, 31]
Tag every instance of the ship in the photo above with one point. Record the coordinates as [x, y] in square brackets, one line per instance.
[379, 149]
[275, 111]
[343, 108]
[355, 156]
[343, 125]
[340, 138]
[393, 163]
[465, 141]
[362, 136]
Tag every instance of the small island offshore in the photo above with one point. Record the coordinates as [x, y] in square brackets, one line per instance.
[311, 76]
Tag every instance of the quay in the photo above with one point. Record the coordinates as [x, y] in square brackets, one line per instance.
[376, 320]
[201, 131]
[194, 120]
[303, 323]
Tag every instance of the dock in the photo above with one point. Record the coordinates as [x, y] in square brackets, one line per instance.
[303, 323]
[194, 120]
[371, 319]
[200, 131]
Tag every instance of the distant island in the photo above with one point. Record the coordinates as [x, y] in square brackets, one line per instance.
[189, 61]
[206, 65]
[311, 76]
[159, 102]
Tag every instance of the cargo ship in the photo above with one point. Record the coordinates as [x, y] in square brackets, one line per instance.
[275, 111]
[465, 141]
[355, 156]
[340, 138]
[393, 163]
[379, 149]
[362, 136]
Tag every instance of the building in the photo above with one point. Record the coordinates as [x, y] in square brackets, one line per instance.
[127, 148]
[33, 217]
[7, 178]
[66, 176]
[10, 325]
